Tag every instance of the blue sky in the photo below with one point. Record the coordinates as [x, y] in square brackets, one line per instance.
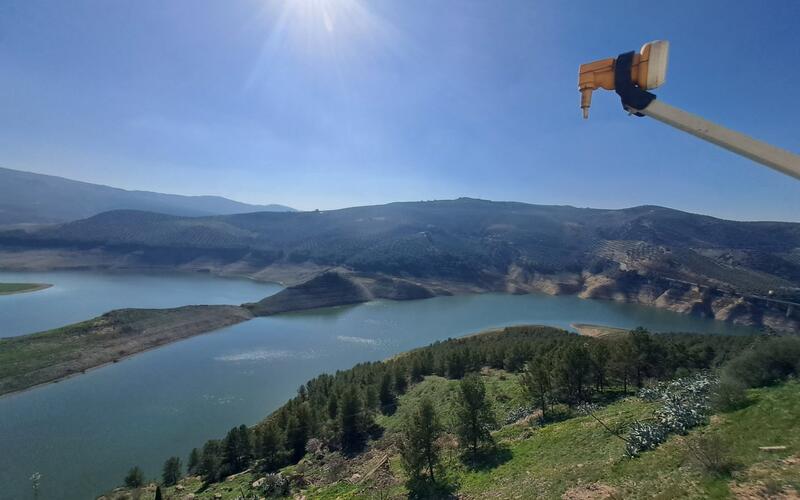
[334, 103]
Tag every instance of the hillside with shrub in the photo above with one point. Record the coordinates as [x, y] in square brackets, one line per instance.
[525, 409]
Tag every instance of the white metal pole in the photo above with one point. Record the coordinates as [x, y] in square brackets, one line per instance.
[776, 158]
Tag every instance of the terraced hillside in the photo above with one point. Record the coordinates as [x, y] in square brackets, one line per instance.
[652, 255]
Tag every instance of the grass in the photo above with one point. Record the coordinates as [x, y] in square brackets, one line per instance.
[28, 360]
[231, 489]
[576, 457]
[11, 288]
[501, 387]
[23, 355]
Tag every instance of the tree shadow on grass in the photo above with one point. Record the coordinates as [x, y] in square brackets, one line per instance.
[444, 488]
[488, 458]
[610, 395]
[555, 414]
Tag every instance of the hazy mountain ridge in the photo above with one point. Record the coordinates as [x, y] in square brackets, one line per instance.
[462, 239]
[651, 255]
[27, 197]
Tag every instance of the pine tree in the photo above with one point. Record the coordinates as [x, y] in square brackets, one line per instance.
[333, 405]
[599, 354]
[211, 461]
[171, 472]
[573, 367]
[418, 445]
[296, 438]
[271, 448]
[417, 370]
[352, 425]
[400, 381]
[371, 397]
[386, 394]
[238, 448]
[536, 383]
[623, 361]
[194, 461]
[134, 478]
[474, 416]
[647, 353]
[456, 365]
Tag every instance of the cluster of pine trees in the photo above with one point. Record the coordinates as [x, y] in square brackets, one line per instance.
[338, 410]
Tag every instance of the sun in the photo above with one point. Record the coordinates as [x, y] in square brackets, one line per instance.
[332, 31]
[319, 13]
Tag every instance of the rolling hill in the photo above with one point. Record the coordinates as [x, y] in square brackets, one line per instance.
[27, 197]
[652, 255]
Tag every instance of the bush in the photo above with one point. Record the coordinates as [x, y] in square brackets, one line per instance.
[517, 414]
[680, 413]
[711, 455]
[134, 478]
[685, 404]
[767, 363]
[729, 395]
[275, 485]
[644, 436]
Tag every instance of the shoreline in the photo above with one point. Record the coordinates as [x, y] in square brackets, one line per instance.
[682, 297]
[106, 339]
[87, 370]
[331, 289]
[597, 331]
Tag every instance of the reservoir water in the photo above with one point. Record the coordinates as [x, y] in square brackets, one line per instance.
[84, 433]
[79, 295]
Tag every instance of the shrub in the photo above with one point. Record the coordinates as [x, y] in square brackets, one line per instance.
[730, 394]
[517, 414]
[685, 404]
[644, 436]
[134, 478]
[680, 413]
[711, 455]
[767, 363]
[275, 485]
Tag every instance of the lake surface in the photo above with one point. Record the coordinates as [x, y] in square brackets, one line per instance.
[84, 433]
[80, 295]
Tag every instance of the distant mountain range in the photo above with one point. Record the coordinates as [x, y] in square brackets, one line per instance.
[27, 197]
[652, 255]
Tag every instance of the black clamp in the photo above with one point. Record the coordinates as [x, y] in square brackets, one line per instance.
[633, 97]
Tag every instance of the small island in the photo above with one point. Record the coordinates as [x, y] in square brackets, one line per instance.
[12, 288]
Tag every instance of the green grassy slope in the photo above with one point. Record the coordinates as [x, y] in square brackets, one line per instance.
[28, 360]
[574, 458]
[578, 457]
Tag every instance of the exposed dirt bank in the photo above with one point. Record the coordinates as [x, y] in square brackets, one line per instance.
[633, 287]
[599, 331]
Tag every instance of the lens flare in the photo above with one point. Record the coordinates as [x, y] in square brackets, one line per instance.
[322, 31]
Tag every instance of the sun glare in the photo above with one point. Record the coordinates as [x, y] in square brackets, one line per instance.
[336, 31]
